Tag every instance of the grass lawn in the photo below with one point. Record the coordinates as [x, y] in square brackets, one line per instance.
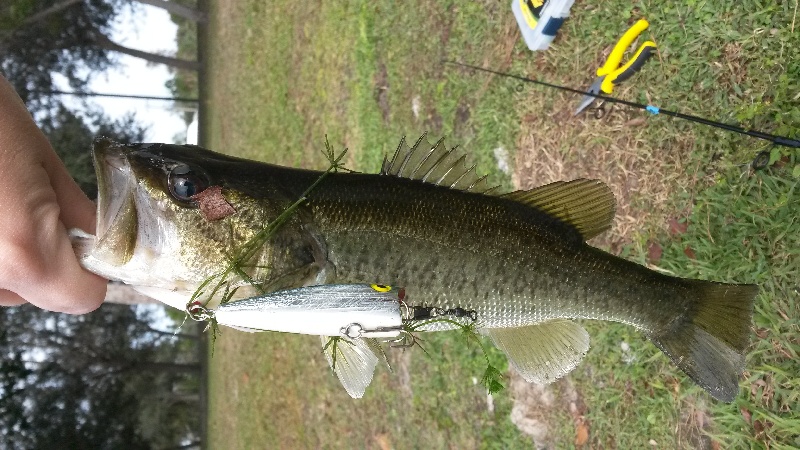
[281, 76]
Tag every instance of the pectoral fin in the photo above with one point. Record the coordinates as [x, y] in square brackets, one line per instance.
[544, 352]
[353, 361]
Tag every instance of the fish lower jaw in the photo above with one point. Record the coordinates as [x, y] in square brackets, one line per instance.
[137, 273]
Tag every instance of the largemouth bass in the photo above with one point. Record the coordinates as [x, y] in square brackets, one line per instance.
[517, 264]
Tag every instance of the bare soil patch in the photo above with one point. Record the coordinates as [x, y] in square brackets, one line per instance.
[615, 149]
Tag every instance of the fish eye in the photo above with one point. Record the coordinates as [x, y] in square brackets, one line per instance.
[184, 182]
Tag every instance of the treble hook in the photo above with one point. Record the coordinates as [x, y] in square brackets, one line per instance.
[405, 336]
[198, 312]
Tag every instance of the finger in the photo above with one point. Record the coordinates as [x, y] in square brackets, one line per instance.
[65, 286]
[8, 298]
[38, 199]
[76, 209]
[42, 267]
[18, 128]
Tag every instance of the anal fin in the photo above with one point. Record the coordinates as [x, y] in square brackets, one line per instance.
[544, 352]
[353, 361]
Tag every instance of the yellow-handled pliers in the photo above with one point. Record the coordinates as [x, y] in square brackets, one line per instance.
[611, 73]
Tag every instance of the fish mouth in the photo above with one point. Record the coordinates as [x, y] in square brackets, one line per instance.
[117, 222]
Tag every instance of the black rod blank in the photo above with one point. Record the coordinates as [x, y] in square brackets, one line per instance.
[776, 140]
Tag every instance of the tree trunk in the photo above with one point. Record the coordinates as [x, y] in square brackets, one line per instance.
[104, 42]
[173, 7]
[172, 398]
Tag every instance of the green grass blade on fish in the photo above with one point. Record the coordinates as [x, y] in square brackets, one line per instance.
[333, 344]
[469, 332]
[248, 249]
[252, 246]
[238, 262]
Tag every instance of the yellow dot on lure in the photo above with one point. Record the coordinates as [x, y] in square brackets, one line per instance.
[381, 287]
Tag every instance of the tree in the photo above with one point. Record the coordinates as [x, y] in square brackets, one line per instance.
[185, 83]
[39, 38]
[89, 381]
[178, 9]
[104, 42]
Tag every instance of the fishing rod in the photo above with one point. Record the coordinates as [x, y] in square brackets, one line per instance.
[776, 140]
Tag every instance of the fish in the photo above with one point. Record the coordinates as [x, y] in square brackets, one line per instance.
[515, 265]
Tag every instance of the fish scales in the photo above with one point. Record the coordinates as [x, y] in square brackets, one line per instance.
[457, 249]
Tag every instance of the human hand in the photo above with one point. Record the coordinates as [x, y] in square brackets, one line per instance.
[39, 201]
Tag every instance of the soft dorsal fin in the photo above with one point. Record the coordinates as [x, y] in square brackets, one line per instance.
[588, 205]
[435, 164]
[544, 352]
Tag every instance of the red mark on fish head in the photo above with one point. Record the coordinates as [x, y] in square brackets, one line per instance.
[212, 204]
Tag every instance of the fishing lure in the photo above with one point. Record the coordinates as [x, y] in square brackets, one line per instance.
[348, 310]
[349, 318]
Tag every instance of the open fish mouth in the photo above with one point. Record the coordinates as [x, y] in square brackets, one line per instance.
[137, 241]
[117, 221]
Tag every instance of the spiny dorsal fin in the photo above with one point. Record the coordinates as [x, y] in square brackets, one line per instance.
[588, 205]
[544, 352]
[435, 164]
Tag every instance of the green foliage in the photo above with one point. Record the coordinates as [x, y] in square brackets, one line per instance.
[35, 46]
[98, 380]
[491, 378]
[468, 331]
[14, 12]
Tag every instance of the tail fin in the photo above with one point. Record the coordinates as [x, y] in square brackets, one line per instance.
[709, 339]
